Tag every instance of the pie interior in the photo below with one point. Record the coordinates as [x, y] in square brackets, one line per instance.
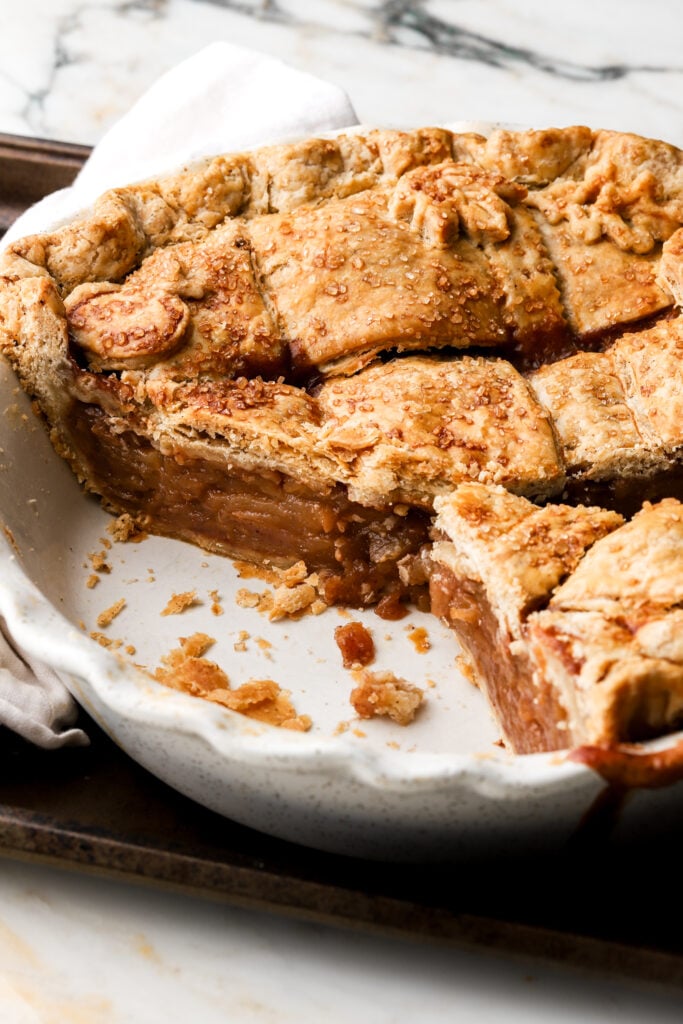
[307, 351]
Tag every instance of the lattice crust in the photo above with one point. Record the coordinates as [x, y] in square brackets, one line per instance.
[192, 303]
[345, 248]
[302, 351]
[182, 297]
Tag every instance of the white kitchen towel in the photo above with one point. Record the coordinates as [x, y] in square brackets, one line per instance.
[224, 98]
[33, 700]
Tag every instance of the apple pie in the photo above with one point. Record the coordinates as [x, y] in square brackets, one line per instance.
[300, 353]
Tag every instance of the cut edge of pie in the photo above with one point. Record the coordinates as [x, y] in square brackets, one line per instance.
[570, 616]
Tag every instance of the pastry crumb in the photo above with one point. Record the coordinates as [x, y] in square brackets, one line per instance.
[280, 603]
[106, 617]
[92, 581]
[355, 642]
[98, 560]
[383, 693]
[106, 641]
[264, 700]
[296, 591]
[196, 645]
[247, 598]
[296, 573]
[288, 600]
[178, 603]
[216, 606]
[241, 643]
[126, 528]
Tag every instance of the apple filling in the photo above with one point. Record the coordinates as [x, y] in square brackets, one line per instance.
[263, 517]
[531, 718]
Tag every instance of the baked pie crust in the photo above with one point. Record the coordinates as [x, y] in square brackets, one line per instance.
[301, 352]
[571, 618]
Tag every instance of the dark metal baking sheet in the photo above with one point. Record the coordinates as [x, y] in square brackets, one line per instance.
[32, 168]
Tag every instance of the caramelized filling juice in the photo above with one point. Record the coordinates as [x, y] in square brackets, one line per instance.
[264, 517]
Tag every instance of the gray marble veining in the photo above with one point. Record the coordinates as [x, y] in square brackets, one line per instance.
[68, 69]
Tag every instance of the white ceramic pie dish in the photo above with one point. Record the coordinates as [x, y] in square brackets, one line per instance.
[439, 788]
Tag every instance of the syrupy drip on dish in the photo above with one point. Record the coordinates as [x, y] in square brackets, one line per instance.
[627, 768]
[624, 769]
[260, 517]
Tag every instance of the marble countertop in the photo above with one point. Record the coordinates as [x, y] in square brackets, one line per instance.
[77, 950]
[84, 950]
[69, 68]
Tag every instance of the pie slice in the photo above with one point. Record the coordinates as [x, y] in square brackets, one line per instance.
[496, 558]
[570, 618]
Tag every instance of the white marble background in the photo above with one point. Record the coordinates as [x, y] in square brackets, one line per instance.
[68, 68]
[74, 949]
